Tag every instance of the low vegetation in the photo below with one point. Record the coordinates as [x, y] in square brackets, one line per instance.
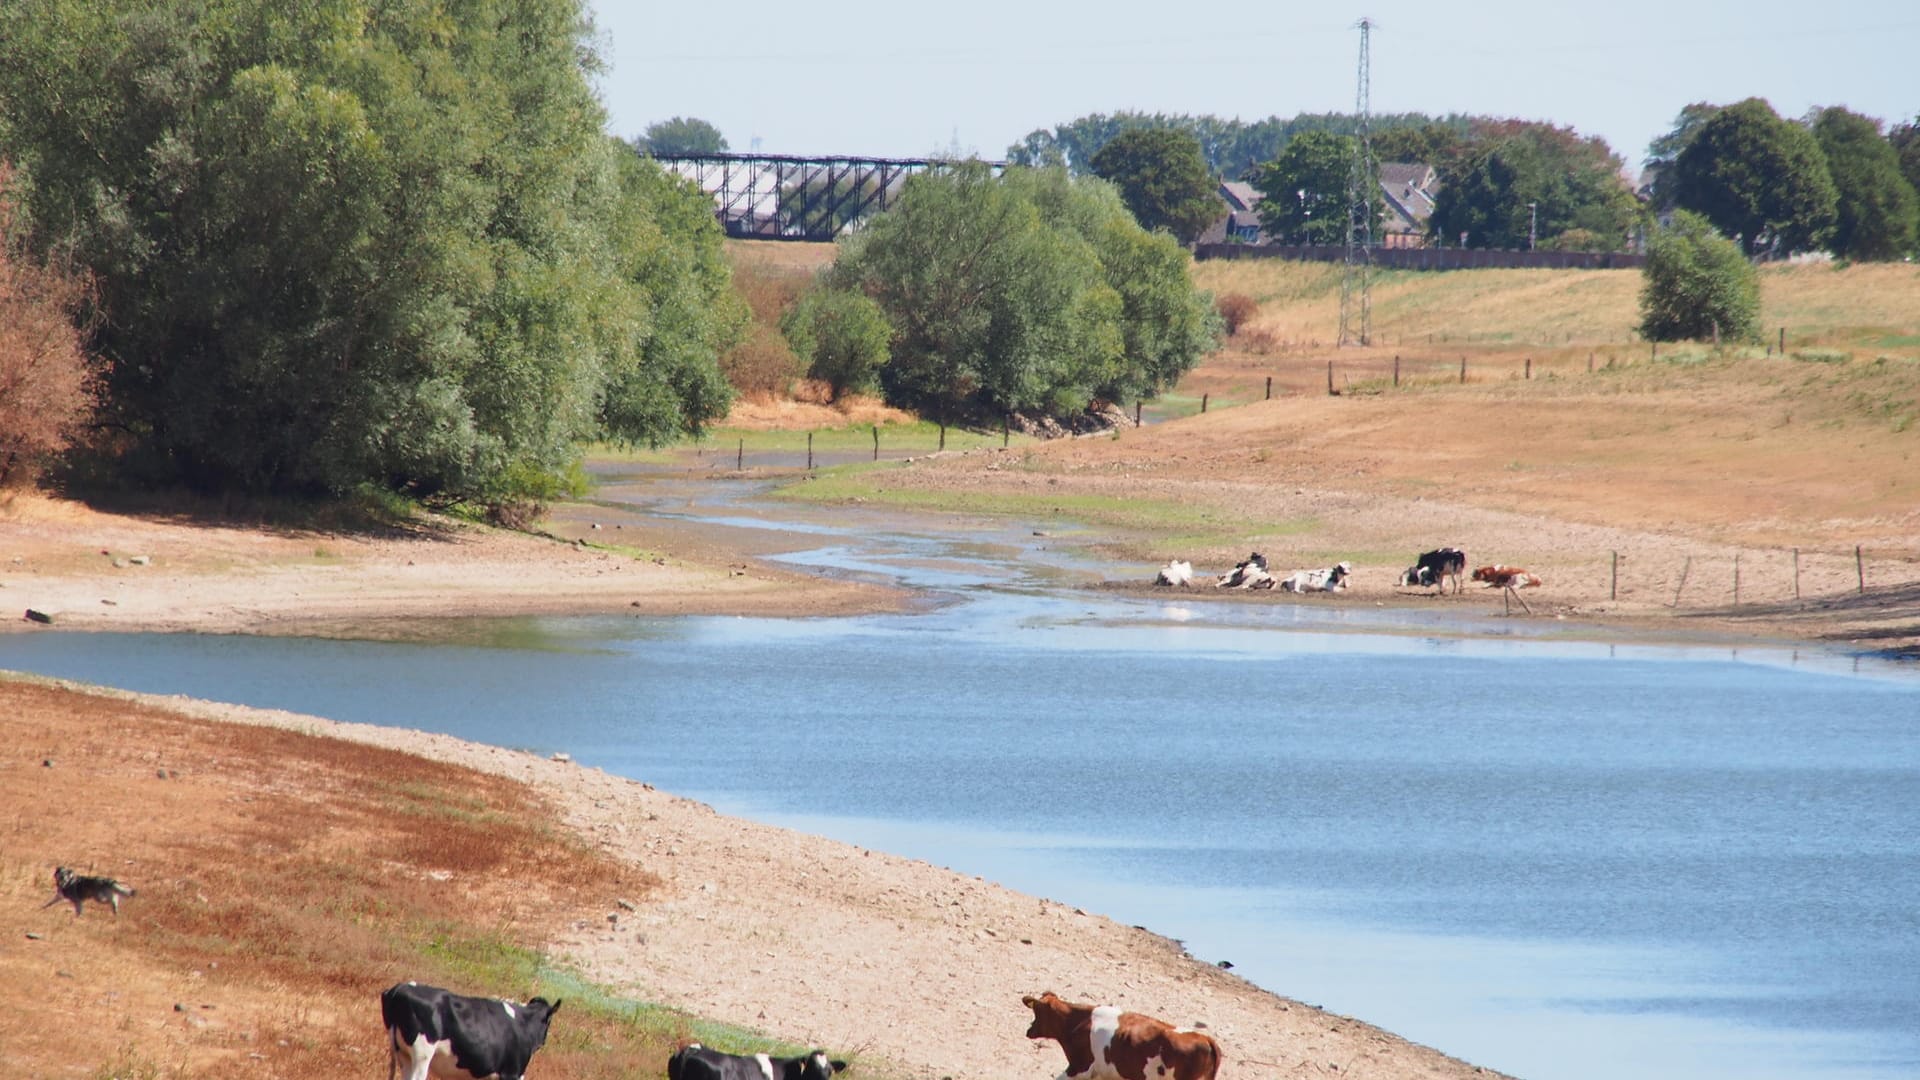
[283, 880]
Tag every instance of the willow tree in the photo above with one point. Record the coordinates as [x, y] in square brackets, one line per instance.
[1029, 292]
[348, 242]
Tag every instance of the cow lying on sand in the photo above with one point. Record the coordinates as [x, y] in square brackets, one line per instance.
[474, 1037]
[1176, 572]
[1329, 579]
[1251, 573]
[695, 1062]
[1433, 568]
[1103, 1043]
[1499, 576]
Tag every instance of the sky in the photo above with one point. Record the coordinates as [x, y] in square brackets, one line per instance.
[912, 79]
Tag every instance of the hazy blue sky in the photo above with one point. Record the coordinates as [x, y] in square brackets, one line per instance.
[910, 79]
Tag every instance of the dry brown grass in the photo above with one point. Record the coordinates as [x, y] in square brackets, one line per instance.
[1858, 307]
[283, 880]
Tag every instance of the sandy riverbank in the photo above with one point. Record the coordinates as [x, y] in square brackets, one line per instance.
[88, 569]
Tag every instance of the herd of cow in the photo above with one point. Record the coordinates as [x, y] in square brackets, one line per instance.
[1431, 570]
[455, 1037]
[447, 1036]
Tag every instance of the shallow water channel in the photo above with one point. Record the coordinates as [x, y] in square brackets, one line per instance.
[1565, 859]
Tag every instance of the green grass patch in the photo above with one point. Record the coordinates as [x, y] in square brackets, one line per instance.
[1158, 516]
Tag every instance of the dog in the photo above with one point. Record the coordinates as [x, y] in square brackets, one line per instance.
[77, 889]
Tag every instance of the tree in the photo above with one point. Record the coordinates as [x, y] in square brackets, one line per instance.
[1033, 291]
[841, 336]
[682, 136]
[1877, 213]
[46, 376]
[1441, 144]
[1758, 178]
[1906, 140]
[352, 243]
[1162, 179]
[1665, 149]
[1697, 285]
[1525, 182]
[1304, 190]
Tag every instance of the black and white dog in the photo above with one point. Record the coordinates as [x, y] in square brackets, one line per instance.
[77, 889]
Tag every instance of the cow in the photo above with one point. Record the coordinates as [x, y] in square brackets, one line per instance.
[695, 1062]
[1176, 572]
[1249, 573]
[1103, 1043]
[452, 1037]
[1328, 579]
[1500, 576]
[1433, 568]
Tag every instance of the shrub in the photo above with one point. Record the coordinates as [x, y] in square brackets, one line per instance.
[842, 336]
[762, 365]
[1236, 310]
[1697, 283]
[47, 384]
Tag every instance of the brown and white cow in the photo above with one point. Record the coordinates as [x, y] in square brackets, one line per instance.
[1500, 576]
[1103, 1043]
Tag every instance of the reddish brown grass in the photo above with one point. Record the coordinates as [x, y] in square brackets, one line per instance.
[283, 880]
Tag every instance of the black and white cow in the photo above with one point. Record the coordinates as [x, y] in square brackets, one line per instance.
[695, 1062]
[1249, 573]
[1327, 579]
[1432, 568]
[452, 1036]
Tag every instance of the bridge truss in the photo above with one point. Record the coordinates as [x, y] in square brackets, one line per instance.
[785, 197]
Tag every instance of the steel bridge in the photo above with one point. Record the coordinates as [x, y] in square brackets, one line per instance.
[786, 197]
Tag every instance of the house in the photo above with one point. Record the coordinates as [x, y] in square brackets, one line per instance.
[1409, 188]
[1241, 225]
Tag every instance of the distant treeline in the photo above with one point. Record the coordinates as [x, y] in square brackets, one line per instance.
[1232, 148]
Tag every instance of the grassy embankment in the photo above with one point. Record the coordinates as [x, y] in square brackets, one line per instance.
[1562, 410]
[284, 879]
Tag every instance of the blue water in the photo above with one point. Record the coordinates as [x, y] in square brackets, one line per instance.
[1561, 859]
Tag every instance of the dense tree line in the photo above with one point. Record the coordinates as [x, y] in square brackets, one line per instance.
[1832, 182]
[349, 243]
[1232, 148]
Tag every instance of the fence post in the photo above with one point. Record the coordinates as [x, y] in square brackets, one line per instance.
[1613, 589]
[1329, 377]
[1203, 402]
[740, 455]
[876, 442]
[1783, 341]
[809, 451]
[1684, 571]
[1529, 367]
[1136, 413]
[1463, 370]
[1396, 372]
[1860, 567]
[1269, 388]
[943, 434]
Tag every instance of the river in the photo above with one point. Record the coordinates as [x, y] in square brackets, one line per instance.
[1566, 859]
